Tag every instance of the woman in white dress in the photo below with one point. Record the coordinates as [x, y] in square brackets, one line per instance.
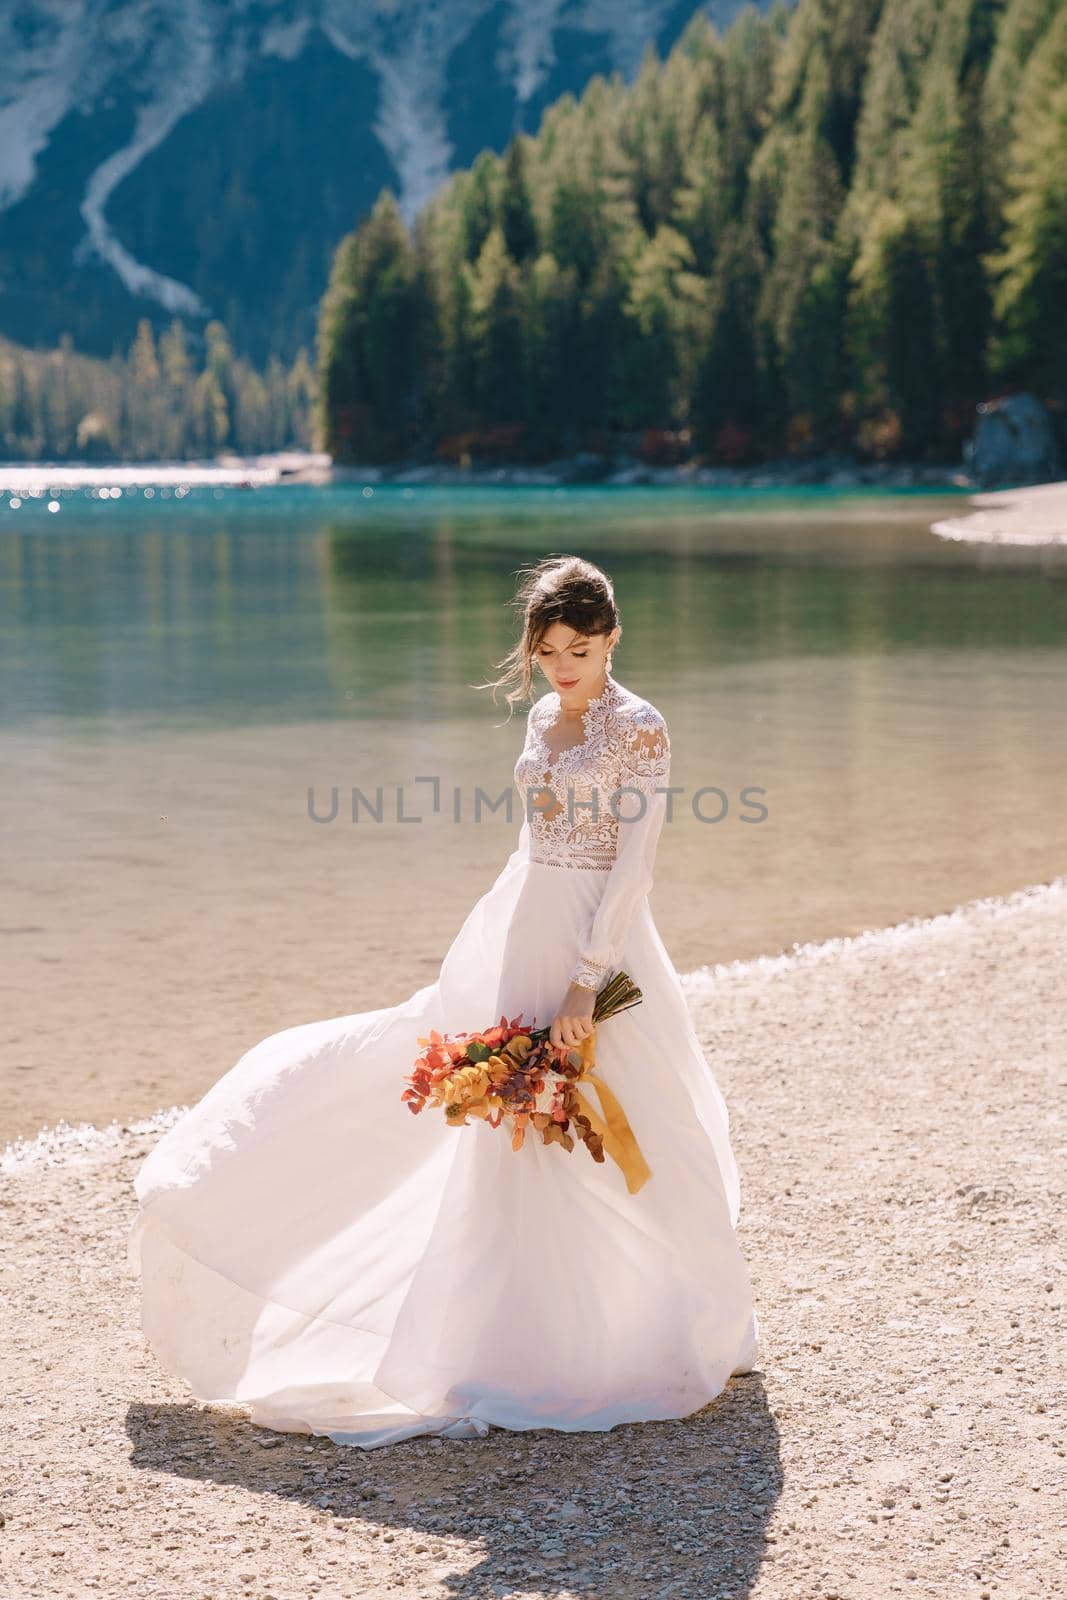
[315, 1255]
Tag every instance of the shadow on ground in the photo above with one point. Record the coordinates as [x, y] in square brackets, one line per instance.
[646, 1509]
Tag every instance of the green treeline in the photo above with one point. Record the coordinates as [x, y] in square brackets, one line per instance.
[159, 401]
[836, 227]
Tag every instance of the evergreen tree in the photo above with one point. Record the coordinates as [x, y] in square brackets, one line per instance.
[599, 363]
[219, 361]
[476, 199]
[144, 365]
[700, 208]
[149, 404]
[550, 327]
[728, 396]
[368, 340]
[1030, 268]
[211, 418]
[174, 357]
[664, 303]
[893, 333]
[496, 332]
[516, 208]
[1018, 33]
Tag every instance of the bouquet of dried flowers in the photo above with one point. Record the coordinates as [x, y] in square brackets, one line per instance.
[514, 1076]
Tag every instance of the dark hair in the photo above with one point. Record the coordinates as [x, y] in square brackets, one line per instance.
[556, 589]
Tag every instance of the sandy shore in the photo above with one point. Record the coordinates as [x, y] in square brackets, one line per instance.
[1035, 515]
[899, 1129]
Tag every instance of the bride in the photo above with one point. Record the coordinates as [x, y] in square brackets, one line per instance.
[313, 1254]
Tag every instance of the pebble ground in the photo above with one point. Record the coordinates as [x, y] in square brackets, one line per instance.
[897, 1111]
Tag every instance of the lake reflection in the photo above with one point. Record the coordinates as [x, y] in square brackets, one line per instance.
[227, 607]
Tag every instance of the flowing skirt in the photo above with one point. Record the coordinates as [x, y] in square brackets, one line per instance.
[313, 1253]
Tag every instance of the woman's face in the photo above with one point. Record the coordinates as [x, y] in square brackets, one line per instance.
[574, 663]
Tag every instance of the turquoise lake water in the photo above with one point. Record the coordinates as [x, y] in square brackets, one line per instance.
[874, 716]
[227, 606]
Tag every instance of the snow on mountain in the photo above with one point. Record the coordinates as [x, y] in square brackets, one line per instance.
[109, 108]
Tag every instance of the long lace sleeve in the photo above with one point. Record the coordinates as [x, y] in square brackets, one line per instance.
[645, 768]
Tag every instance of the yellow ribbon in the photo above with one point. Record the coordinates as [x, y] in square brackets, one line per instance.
[612, 1126]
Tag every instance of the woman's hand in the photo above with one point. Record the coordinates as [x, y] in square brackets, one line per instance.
[574, 1019]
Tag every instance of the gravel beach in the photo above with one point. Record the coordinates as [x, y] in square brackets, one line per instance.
[897, 1113]
[1034, 515]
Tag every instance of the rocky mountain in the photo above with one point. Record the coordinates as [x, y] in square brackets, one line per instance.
[202, 157]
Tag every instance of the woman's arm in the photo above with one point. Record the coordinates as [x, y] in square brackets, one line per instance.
[641, 806]
[645, 768]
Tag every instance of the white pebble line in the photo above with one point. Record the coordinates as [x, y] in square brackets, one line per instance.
[897, 935]
[979, 530]
[67, 1144]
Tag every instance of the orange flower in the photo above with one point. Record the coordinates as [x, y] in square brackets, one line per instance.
[500, 1068]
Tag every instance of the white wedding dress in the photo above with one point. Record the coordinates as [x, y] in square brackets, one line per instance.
[314, 1254]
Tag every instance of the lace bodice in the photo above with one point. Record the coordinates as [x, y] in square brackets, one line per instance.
[571, 800]
[598, 805]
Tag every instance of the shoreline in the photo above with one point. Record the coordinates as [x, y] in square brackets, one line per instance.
[1032, 515]
[316, 469]
[64, 1142]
